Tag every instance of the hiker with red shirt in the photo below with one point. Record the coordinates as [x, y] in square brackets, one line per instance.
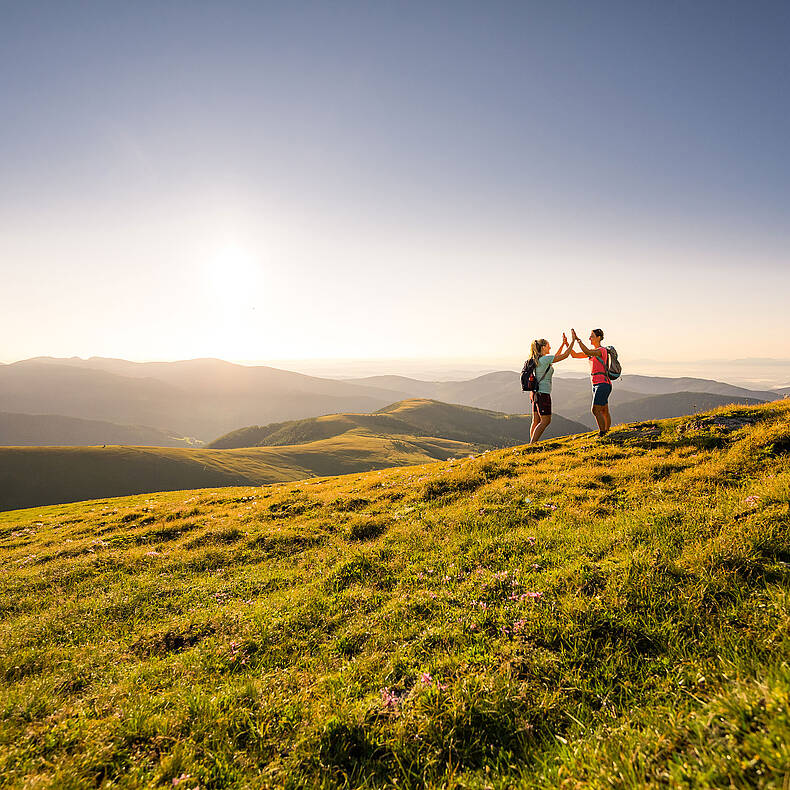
[601, 383]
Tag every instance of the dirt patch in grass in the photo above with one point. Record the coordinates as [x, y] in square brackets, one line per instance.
[171, 641]
[725, 423]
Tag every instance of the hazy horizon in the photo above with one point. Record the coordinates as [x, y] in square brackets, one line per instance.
[756, 373]
[421, 180]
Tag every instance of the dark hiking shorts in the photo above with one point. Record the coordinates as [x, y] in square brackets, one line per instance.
[541, 403]
[601, 393]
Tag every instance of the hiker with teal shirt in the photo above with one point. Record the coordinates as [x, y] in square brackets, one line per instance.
[601, 382]
[544, 370]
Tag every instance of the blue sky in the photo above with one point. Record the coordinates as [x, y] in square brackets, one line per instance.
[281, 180]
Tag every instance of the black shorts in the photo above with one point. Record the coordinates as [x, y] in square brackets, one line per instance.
[541, 403]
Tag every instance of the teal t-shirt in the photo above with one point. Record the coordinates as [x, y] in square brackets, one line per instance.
[543, 373]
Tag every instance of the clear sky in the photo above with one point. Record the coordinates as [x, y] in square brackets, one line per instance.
[258, 181]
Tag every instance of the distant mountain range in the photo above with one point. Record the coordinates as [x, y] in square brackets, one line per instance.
[204, 398]
[208, 398]
[409, 432]
[676, 404]
[571, 396]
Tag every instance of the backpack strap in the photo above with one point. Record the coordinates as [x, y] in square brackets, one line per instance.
[545, 373]
[605, 363]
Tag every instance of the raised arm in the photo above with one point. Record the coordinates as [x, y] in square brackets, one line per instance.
[576, 354]
[586, 352]
[563, 352]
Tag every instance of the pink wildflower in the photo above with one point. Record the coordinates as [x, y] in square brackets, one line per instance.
[535, 595]
[388, 699]
[426, 679]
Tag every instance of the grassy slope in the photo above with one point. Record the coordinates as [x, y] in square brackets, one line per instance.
[676, 404]
[578, 614]
[413, 417]
[35, 430]
[31, 476]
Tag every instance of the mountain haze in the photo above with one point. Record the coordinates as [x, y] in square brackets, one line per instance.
[413, 417]
[201, 398]
[676, 404]
[207, 398]
[409, 432]
[571, 398]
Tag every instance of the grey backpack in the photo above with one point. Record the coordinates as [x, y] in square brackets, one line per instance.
[613, 367]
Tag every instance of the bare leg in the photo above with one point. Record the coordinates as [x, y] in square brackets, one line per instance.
[535, 424]
[597, 412]
[607, 417]
[544, 423]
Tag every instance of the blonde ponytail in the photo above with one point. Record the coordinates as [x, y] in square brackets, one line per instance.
[535, 349]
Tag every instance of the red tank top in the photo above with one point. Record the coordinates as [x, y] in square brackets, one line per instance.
[598, 367]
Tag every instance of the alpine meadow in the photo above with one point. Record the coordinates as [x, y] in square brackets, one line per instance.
[394, 395]
[573, 614]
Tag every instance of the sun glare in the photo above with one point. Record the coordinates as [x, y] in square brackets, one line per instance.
[233, 275]
[233, 294]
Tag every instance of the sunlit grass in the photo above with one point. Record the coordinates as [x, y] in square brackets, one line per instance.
[574, 614]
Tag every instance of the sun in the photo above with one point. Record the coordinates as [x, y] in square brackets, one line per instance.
[233, 277]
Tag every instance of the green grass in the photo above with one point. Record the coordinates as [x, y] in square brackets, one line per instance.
[409, 432]
[32, 476]
[410, 418]
[577, 614]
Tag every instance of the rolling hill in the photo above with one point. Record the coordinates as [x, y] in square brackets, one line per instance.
[675, 404]
[47, 475]
[571, 396]
[409, 432]
[206, 398]
[413, 417]
[41, 430]
[577, 614]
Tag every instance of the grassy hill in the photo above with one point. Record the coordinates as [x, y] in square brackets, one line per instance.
[675, 404]
[501, 392]
[47, 475]
[410, 432]
[205, 398]
[23, 430]
[577, 614]
[415, 417]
